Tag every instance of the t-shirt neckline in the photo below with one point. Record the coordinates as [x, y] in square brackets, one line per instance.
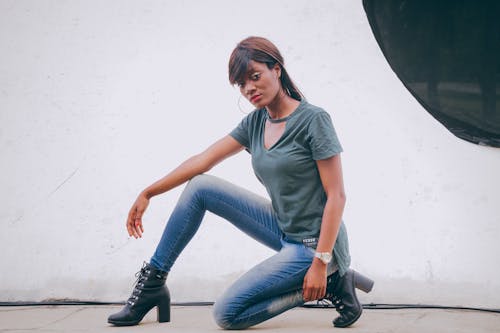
[280, 120]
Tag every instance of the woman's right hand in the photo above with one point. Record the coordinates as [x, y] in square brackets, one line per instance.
[134, 220]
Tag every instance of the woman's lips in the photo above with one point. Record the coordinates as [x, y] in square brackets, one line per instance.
[255, 98]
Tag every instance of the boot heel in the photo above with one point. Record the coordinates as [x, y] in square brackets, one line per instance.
[163, 310]
[362, 282]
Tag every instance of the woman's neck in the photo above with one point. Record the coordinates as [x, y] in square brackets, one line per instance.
[282, 106]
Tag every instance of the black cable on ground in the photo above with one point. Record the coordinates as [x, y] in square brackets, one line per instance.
[383, 306]
[76, 302]
[318, 305]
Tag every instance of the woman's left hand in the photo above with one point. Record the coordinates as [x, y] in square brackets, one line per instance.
[314, 286]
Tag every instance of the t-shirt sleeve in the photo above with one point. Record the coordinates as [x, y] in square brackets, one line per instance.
[322, 137]
[242, 132]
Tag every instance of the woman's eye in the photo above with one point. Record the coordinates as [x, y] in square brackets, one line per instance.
[255, 76]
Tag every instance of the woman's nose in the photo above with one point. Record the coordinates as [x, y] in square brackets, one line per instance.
[249, 87]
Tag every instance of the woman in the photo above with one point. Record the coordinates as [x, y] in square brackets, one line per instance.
[296, 156]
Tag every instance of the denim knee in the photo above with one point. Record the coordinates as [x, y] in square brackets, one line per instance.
[223, 316]
[196, 186]
[201, 183]
[198, 182]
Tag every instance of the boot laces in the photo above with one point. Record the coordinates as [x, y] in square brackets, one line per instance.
[337, 302]
[330, 295]
[334, 299]
[139, 283]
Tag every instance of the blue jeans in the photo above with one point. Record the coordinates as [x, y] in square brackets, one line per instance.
[268, 289]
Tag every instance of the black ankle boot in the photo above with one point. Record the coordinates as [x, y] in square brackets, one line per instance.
[149, 291]
[341, 291]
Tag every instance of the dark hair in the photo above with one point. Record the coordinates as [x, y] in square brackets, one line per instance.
[260, 50]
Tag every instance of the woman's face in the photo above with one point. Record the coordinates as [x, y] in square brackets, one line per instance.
[261, 85]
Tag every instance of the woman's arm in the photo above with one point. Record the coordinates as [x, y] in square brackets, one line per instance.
[330, 171]
[193, 166]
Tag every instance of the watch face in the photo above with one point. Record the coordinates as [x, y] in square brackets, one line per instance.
[324, 257]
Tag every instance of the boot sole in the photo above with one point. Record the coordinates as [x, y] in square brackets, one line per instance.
[124, 323]
[349, 323]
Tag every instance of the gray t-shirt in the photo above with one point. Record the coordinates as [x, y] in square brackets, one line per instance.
[289, 173]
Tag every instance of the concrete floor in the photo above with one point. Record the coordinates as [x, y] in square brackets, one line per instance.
[198, 319]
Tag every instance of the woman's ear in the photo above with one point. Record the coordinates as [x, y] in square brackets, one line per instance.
[277, 70]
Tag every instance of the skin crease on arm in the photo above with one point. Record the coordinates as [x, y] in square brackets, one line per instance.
[197, 164]
[330, 171]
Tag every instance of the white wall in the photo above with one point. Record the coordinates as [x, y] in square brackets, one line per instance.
[100, 98]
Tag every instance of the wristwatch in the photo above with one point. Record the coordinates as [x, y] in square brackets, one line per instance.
[325, 257]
